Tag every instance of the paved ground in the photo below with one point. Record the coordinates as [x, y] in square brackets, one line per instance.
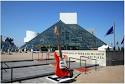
[110, 74]
[114, 74]
[28, 71]
[38, 80]
[24, 56]
[31, 71]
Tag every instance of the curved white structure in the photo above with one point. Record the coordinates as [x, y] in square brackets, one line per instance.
[30, 35]
[104, 47]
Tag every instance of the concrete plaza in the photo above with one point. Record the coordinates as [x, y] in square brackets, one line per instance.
[108, 74]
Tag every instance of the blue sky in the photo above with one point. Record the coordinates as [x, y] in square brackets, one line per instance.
[17, 17]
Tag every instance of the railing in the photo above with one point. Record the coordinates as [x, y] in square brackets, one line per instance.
[15, 61]
[3, 69]
[20, 79]
[7, 66]
[79, 60]
[90, 59]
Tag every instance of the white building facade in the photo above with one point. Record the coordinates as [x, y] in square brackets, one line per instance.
[68, 18]
[30, 35]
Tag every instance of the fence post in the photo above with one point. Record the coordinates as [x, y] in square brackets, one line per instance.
[69, 62]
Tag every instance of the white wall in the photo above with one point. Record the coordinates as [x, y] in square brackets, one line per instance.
[68, 18]
[93, 54]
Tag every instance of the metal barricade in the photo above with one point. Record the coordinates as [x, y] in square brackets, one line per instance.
[79, 60]
[89, 59]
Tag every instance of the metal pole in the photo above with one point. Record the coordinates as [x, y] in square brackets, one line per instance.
[1, 71]
[6, 64]
[114, 40]
[80, 60]
[46, 57]
[11, 74]
[114, 35]
[69, 62]
[59, 46]
[58, 33]
[85, 66]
